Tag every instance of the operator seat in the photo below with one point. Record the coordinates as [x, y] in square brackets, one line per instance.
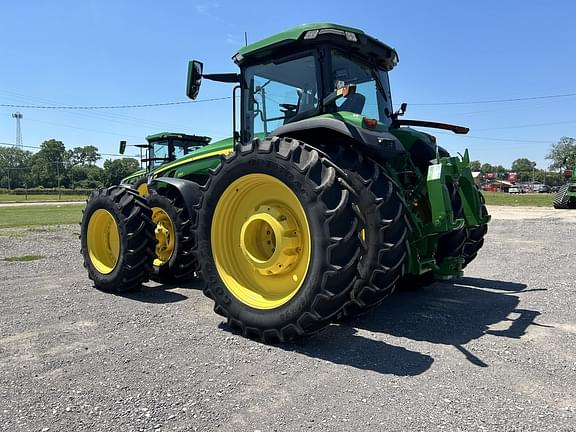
[353, 103]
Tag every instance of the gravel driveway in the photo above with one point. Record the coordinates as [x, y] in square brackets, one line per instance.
[495, 350]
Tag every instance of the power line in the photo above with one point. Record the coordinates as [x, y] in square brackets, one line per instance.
[519, 140]
[102, 107]
[152, 105]
[529, 125]
[489, 101]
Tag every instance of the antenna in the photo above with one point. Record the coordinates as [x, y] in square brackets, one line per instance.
[245, 38]
[18, 117]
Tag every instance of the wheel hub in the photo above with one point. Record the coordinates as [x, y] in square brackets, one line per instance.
[164, 233]
[103, 240]
[270, 240]
[261, 242]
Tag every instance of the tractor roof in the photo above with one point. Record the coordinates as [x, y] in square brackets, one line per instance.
[305, 35]
[162, 136]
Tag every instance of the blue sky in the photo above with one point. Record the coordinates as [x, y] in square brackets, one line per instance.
[101, 52]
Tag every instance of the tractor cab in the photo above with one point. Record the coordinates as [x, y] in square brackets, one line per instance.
[166, 147]
[309, 71]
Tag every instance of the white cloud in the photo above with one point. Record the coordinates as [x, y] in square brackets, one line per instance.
[233, 39]
[207, 8]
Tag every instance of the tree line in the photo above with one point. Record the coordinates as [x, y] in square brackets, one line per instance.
[54, 166]
[561, 154]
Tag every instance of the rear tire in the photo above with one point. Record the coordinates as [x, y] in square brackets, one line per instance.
[280, 173]
[383, 231]
[174, 261]
[117, 238]
[562, 200]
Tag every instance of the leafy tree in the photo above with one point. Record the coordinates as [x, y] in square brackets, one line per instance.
[116, 170]
[86, 176]
[475, 165]
[486, 168]
[499, 169]
[563, 154]
[48, 164]
[523, 165]
[87, 155]
[14, 167]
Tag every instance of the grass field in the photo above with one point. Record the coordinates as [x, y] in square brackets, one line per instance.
[527, 199]
[24, 198]
[22, 216]
[70, 214]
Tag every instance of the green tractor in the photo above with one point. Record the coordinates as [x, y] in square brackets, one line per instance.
[319, 206]
[566, 196]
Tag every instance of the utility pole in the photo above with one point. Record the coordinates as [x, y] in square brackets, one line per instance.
[18, 116]
[58, 174]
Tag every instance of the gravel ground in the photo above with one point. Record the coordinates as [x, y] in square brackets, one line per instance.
[495, 350]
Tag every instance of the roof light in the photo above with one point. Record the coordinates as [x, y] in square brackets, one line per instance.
[332, 31]
[312, 34]
[351, 36]
[238, 58]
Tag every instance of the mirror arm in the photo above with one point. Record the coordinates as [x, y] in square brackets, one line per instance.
[223, 77]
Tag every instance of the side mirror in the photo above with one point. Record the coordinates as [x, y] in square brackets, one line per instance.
[194, 78]
[122, 148]
[402, 109]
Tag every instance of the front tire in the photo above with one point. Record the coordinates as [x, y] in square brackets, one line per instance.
[277, 240]
[117, 238]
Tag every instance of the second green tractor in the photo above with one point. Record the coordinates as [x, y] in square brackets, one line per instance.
[321, 204]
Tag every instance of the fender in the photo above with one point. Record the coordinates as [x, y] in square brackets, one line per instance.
[188, 190]
[379, 145]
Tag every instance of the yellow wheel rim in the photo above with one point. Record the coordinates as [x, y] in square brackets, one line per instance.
[143, 189]
[103, 241]
[261, 241]
[165, 236]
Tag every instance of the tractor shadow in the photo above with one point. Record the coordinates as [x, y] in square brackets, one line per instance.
[161, 293]
[446, 313]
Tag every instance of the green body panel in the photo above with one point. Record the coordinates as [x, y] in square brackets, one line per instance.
[409, 136]
[429, 204]
[224, 145]
[133, 178]
[292, 34]
[196, 162]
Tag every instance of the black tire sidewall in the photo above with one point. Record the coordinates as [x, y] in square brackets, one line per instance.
[106, 281]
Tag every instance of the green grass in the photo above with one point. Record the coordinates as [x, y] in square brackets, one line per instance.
[526, 199]
[24, 258]
[22, 198]
[25, 216]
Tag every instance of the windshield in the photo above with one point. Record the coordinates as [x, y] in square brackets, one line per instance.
[279, 93]
[182, 148]
[159, 154]
[372, 97]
